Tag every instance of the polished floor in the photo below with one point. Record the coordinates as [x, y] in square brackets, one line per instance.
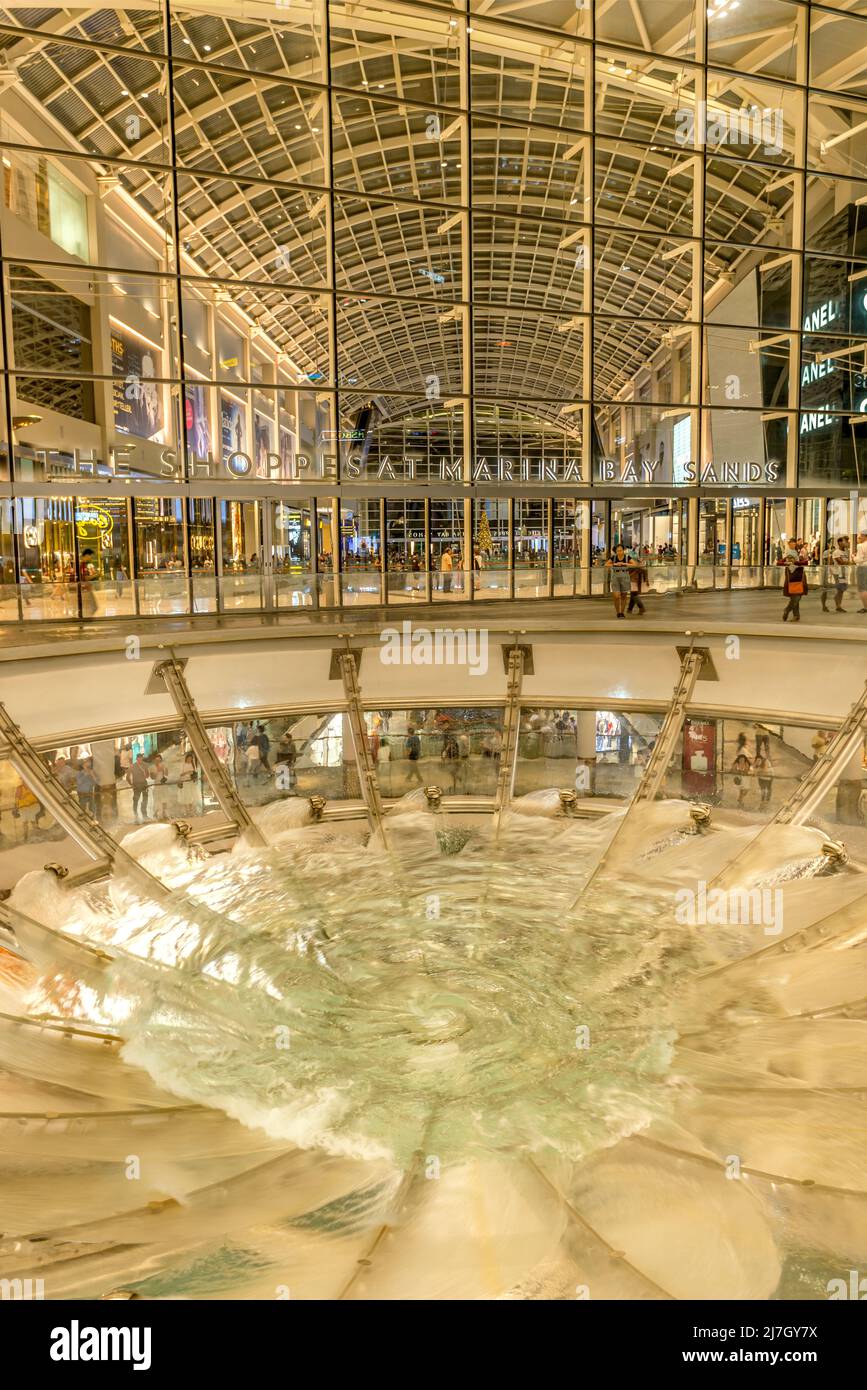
[718, 611]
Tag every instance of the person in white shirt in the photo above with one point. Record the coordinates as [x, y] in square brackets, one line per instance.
[861, 569]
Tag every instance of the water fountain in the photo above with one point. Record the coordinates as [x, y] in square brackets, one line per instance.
[441, 1069]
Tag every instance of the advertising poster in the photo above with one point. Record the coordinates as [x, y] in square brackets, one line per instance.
[699, 758]
[263, 442]
[287, 453]
[198, 430]
[138, 407]
[233, 428]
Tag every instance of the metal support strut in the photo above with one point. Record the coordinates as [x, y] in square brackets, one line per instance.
[691, 664]
[87, 832]
[364, 759]
[816, 782]
[660, 756]
[172, 674]
[511, 730]
[822, 774]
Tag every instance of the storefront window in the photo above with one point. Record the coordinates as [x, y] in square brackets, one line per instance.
[405, 548]
[241, 541]
[449, 544]
[531, 547]
[160, 567]
[8, 578]
[103, 537]
[360, 551]
[159, 535]
[746, 538]
[47, 540]
[491, 546]
[241, 537]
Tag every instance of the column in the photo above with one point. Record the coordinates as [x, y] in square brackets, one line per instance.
[585, 767]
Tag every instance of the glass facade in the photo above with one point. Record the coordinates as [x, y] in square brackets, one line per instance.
[298, 314]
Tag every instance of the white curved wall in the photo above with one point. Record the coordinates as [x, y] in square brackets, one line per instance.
[78, 691]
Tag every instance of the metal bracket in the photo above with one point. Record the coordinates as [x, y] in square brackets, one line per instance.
[335, 670]
[527, 653]
[155, 683]
[707, 670]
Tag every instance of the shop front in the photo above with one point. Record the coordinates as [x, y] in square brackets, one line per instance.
[68, 557]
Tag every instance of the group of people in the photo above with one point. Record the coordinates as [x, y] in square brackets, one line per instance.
[161, 789]
[444, 739]
[836, 565]
[254, 751]
[747, 765]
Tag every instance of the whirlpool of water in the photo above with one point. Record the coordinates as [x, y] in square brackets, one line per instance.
[458, 1037]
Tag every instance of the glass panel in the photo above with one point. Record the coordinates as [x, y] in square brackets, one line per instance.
[160, 566]
[294, 755]
[147, 776]
[491, 547]
[450, 574]
[598, 753]
[282, 39]
[241, 570]
[457, 750]
[530, 544]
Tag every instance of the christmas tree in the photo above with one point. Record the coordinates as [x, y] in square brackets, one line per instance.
[483, 536]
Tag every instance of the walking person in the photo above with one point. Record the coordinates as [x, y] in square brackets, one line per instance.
[451, 756]
[618, 563]
[85, 785]
[827, 562]
[87, 572]
[446, 567]
[764, 771]
[160, 782]
[836, 575]
[794, 586]
[861, 570]
[637, 581]
[264, 747]
[254, 758]
[742, 769]
[28, 808]
[188, 788]
[412, 748]
[139, 778]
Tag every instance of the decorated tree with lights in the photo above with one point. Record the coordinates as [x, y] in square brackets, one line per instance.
[485, 542]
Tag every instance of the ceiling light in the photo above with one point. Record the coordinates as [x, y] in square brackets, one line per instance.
[207, 47]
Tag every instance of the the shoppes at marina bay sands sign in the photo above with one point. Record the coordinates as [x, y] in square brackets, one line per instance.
[408, 468]
[171, 465]
[646, 472]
